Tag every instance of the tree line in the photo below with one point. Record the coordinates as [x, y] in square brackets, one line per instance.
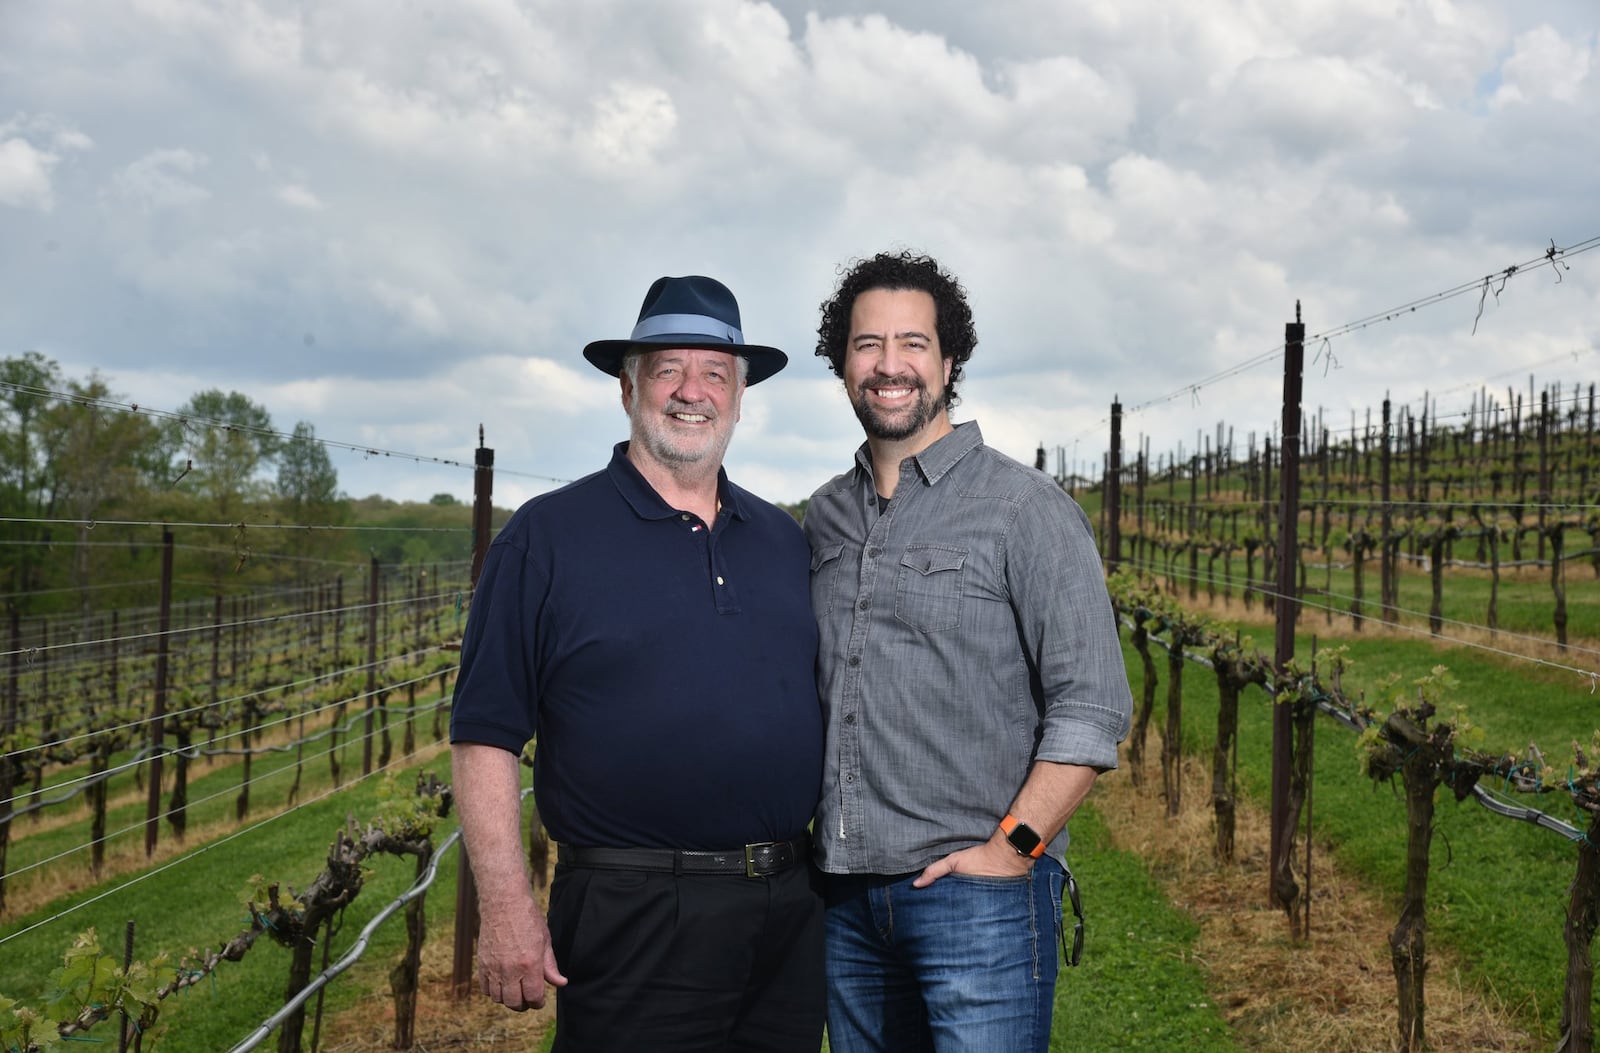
[74, 454]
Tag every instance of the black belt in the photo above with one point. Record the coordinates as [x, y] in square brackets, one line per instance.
[754, 861]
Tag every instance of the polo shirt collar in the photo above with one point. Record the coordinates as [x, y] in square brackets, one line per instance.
[936, 460]
[647, 504]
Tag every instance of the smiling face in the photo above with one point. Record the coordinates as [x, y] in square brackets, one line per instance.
[683, 404]
[894, 372]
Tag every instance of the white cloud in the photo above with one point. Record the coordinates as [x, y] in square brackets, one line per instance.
[159, 180]
[26, 169]
[414, 309]
[1545, 65]
[25, 175]
[631, 123]
[297, 196]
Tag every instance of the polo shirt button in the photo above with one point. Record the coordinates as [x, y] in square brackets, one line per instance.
[855, 659]
[684, 517]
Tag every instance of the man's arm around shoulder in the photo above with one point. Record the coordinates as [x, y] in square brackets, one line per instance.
[515, 960]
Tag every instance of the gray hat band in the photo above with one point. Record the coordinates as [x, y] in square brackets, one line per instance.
[698, 325]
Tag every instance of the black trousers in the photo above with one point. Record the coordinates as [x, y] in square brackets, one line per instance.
[687, 964]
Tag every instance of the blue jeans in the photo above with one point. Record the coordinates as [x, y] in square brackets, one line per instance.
[966, 964]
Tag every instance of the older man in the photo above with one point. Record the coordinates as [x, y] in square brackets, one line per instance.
[649, 626]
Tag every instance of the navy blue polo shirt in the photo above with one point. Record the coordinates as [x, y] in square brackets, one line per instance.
[667, 669]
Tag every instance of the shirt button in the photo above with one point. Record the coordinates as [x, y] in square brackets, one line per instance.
[865, 605]
[684, 517]
[849, 778]
[874, 552]
[719, 579]
[855, 659]
[849, 718]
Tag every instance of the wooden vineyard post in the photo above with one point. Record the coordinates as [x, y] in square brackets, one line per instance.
[372, 665]
[10, 769]
[152, 821]
[1114, 492]
[1388, 587]
[1286, 608]
[466, 888]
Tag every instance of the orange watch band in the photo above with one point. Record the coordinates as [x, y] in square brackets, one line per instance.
[1020, 834]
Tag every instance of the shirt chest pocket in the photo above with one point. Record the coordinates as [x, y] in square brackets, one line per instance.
[825, 577]
[927, 594]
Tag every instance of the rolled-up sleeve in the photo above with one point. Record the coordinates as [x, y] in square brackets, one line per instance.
[1064, 615]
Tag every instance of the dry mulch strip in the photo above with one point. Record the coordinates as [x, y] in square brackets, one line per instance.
[1335, 993]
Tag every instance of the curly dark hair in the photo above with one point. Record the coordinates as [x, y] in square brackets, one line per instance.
[903, 270]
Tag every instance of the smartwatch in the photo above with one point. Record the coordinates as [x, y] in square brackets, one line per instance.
[1023, 837]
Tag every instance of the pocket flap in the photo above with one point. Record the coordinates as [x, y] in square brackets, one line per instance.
[824, 554]
[932, 560]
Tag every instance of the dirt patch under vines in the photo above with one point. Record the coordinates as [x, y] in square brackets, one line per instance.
[1331, 994]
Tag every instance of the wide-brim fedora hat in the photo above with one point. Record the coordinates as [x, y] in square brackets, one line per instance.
[692, 311]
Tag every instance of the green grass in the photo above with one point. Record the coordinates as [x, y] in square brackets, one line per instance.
[1497, 886]
[1138, 986]
[195, 904]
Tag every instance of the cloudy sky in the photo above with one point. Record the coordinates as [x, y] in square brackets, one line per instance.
[400, 219]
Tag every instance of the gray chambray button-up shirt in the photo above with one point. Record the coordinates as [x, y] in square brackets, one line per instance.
[965, 633]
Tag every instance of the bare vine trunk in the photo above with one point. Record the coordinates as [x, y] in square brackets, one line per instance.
[1147, 703]
[241, 803]
[1408, 941]
[99, 761]
[1583, 918]
[1222, 796]
[1558, 584]
[1436, 579]
[178, 803]
[403, 978]
[1172, 738]
[1285, 889]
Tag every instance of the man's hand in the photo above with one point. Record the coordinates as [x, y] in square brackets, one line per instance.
[515, 959]
[994, 858]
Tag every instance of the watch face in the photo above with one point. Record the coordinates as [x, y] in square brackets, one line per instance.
[1023, 839]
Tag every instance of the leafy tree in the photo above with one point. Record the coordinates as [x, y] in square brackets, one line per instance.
[444, 500]
[99, 461]
[225, 440]
[28, 384]
[307, 481]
